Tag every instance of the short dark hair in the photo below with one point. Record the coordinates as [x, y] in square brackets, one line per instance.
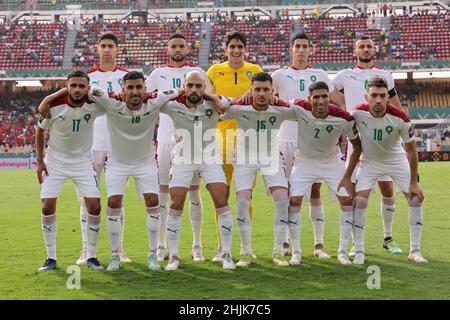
[134, 75]
[363, 37]
[377, 82]
[78, 74]
[301, 35]
[262, 76]
[237, 36]
[109, 36]
[177, 35]
[318, 85]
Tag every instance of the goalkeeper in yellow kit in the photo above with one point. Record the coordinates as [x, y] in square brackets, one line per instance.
[232, 79]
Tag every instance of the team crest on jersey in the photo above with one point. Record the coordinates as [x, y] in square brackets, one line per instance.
[249, 74]
[120, 82]
[329, 128]
[389, 129]
[209, 113]
[313, 78]
[272, 120]
[97, 93]
[87, 117]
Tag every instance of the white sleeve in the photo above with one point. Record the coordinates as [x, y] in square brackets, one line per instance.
[407, 131]
[337, 82]
[324, 77]
[170, 108]
[275, 82]
[229, 114]
[102, 99]
[151, 83]
[390, 81]
[351, 131]
[162, 97]
[44, 123]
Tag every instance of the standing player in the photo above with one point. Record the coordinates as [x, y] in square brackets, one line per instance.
[232, 79]
[67, 157]
[292, 83]
[131, 125]
[260, 120]
[107, 76]
[354, 82]
[382, 129]
[318, 158]
[171, 76]
[196, 152]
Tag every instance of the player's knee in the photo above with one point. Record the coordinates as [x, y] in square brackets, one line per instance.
[151, 200]
[345, 202]
[94, 208]
[361, 202]
[48, 210]
[295, 201]
[115, 202]
[315, 191]
[414, 202]
[177, 204]
[386, 188]
[220, 202]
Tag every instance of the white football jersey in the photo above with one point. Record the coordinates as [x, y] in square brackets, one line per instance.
[131, 131]
[109, 81]
[167, 78]
[257, 136]
[381, 138]
[195, 129]
[318, 138]
[292, 83]
[354, 81]
[71, 131]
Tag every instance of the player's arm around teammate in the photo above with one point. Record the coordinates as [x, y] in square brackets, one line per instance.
[71, 129]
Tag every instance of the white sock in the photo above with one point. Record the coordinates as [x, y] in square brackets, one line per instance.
[280, 222]
[316, 215]
[49, 233]
[83, 222]
[122, 224]
[243, 220]
[295, 222]
[164, 205]
[196, 216]
[387, 213]
[346, 222]
[114, 229]
[225, 222]
[93, 232]
[174, 231]
[415, 219]
[153, 216]
[359, 220]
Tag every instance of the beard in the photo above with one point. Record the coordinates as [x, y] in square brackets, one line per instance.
[194, 98]
[78, 100]
[178, 58]
[365, 60]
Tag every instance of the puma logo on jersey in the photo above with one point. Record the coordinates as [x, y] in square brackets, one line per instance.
[173, 231]
[63, 119]
[113, 219]
[122, 114]
[290, 77]
[181, 112]
[154, 217]
[95, 82]
[146, 114]
[306, 121]
[163, 77]
[349, 222]
[353, 77]
[246, 117]
[364, 123]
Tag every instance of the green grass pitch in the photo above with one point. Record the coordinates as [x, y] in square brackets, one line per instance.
[22, 252]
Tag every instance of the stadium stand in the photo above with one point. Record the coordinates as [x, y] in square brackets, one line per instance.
[142, 44]
[32, 45]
